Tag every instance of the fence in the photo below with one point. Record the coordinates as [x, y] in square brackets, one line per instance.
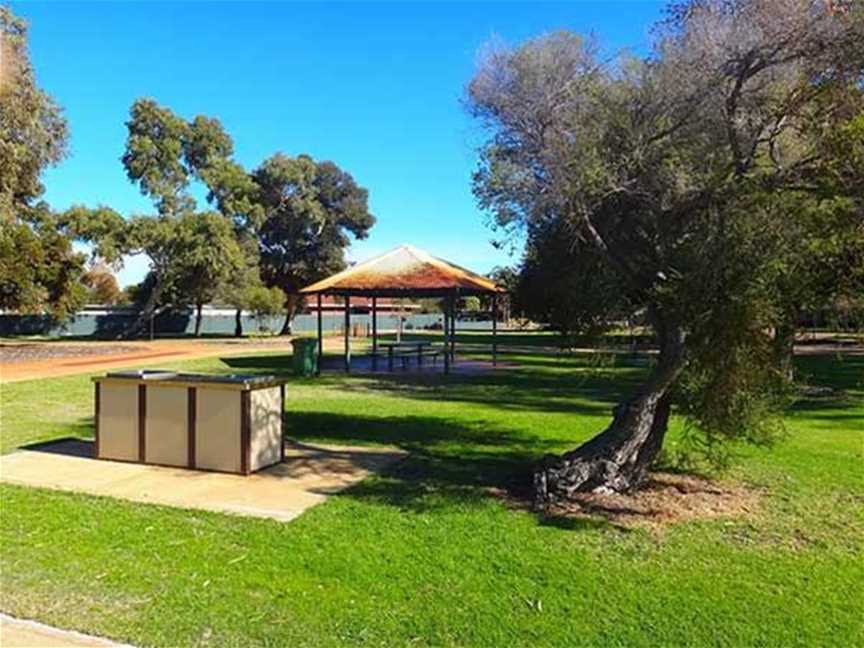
[109, 322]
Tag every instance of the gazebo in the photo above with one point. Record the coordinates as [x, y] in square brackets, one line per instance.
[404, 272]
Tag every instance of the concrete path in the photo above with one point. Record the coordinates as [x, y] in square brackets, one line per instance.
[21, 633]
[308, 476]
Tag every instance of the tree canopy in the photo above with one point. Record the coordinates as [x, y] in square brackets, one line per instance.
[308, 210]
[286, 223]
[39, 270]
[670, 171]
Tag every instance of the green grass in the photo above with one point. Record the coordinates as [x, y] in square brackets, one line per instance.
[423, 556]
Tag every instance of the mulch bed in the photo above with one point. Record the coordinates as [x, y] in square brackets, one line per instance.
[14, 353]
[666, 498]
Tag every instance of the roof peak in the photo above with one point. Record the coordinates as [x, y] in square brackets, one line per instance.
[405, 268]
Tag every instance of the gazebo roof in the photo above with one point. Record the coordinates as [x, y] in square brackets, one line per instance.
[403, 271]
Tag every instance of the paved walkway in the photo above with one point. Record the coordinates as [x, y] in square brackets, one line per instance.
[21, 633]
[308, 476]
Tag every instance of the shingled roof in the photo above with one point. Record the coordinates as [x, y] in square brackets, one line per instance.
[403, 271]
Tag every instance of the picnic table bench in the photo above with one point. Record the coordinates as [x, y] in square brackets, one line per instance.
[406, 350]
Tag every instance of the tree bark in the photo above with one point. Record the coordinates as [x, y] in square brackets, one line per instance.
[199, 316]
[238, 323]
[290, 309]
[148, 311]
[617, 459]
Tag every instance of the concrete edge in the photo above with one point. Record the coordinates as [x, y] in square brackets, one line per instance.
[61, 635]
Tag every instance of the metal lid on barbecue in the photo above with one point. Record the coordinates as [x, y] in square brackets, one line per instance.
[143, 374]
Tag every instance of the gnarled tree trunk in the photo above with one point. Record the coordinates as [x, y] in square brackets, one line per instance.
[617, 459]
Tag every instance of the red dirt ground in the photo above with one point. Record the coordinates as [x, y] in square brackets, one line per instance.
[29, 360]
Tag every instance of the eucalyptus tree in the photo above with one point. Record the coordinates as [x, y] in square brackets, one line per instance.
[39, 270]
[191, 253]
[308, 211]
[291, 217]
[667, 167]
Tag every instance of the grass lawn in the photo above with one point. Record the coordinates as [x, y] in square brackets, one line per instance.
[424, 556]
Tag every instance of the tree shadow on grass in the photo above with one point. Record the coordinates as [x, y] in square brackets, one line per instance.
[831, 382]
[448, 462]
[523, 388]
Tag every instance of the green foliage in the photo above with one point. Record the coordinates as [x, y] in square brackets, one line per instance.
[33, 131]
[565, 283]
[714, 185]
[194, 256]
[102, 286]
[469, 304]
[731, 391]
[309, 210]
[264, 302]
[204, 256]
[164, 153]
[39, 270]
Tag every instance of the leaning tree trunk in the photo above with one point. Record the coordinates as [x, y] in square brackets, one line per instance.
[199, 317]
[290, 309]
[147, 312]
[238, 323]
[617, 459]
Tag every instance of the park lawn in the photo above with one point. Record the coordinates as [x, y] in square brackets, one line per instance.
[424, 556]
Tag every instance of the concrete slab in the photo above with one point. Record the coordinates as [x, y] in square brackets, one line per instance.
[309, 474]
[22, 633]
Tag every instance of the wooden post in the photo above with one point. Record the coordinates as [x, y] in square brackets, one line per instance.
[453, 329]
[374, 333]
[191, 414]
[96, 414]
[347, 334]
[320, 339]
[494, 330]
[142, 424]
[245, 432]
[447, 337]
[282, 422]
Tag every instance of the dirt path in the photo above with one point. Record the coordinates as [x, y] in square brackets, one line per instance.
[29, 360]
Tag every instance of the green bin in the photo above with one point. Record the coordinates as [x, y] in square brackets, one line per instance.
[305, 356]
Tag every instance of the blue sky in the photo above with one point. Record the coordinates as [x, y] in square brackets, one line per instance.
[374, 87]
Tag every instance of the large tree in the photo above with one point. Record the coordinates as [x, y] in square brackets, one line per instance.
[307, 210]
[191, 253]
[291, 217]
[39, 270]
[668, 167]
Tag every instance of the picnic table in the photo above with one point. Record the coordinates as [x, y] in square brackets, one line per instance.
[392, 347]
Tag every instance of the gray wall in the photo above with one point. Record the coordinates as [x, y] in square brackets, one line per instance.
[108, 322]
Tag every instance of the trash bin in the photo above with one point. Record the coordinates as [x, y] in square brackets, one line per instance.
[305, 356]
